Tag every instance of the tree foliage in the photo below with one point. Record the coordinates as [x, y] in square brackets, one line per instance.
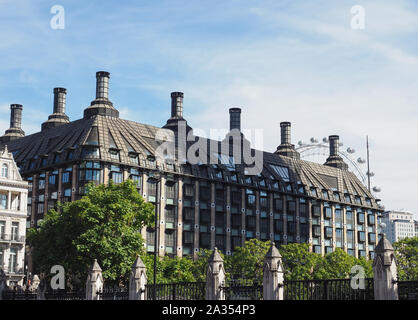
[298, 262]
[247, 261]
[104, 225]
[406, 255]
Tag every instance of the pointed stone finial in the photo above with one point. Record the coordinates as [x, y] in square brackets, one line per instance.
[95, 266]
[215, 277]
[273, 275]
[385, 271]
[94, 283]
[137, 280]
[215, 256]
[273, 252]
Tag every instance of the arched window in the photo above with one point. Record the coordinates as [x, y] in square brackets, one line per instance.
[4, 170]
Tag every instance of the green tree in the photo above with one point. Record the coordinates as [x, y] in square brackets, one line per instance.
[104, 225]
[298, 262]
[247, 261]
[335, 265]
[406, 254]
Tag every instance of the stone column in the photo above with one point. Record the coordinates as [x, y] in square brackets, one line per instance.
[94, 282]
[138, 281]
[215, 277]
[243, 215]
[179, 229]
[212, 215]
[273, 277]
[160, 202]
[228, 221]
[385, 271]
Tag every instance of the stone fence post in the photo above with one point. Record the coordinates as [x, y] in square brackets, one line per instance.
[273, 277]
[215, 277]
[137, 281]
[385, 271]
[94, 282]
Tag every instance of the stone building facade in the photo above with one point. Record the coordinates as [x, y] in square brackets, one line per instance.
[200, 205]
[13, 208]
[399, 225]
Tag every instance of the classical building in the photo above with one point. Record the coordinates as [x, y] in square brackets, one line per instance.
[399, 225]
[201, 204]
[13, 204]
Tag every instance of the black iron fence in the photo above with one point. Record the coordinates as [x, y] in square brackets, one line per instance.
[65, 295]
[19, 294]
[334, 289]
[408, 290]
[111, 293]
[242, 289]
[176, 291]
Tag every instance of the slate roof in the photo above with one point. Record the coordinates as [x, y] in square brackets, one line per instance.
[127, 135]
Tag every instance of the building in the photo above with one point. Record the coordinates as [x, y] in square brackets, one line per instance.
[399, 225]
[202, 204]
[13, 206]
[416, 228]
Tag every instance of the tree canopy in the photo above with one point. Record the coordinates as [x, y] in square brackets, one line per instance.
[104, 224]
[406, 255]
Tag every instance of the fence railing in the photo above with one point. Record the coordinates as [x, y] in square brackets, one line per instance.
[334, 289]
[242, 289]
[113, 294]
[408, 290]
[176, 291]
[17, 294]
[65, 295]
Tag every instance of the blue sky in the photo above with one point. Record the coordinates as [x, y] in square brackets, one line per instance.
[296, 61]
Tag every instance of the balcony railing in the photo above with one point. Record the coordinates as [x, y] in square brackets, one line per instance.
[12, 238]
[12, 271]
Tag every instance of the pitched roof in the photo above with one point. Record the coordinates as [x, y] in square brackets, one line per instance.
[106, 132]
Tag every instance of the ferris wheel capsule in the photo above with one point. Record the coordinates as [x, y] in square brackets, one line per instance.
[361, 160]
[370, 174]
[325, 140]
[350, 150]
[376, 189]
[300, 143]
[313, 140]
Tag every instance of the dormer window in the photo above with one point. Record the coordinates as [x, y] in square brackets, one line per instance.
[91, 152]
[44, 161]
[114, 154]
[133, 158]
[57, 158]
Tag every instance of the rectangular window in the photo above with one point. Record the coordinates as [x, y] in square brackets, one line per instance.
[66, 177]
[13, 260]
[15, 231]
[3, 201]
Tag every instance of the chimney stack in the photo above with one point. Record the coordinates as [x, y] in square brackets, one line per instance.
[58, 116]
[15, 131]
[59, 100]
[285, 133]
[16, 116]
[286, 147]
[102, 85]
[334, 159]
[101, 105]
[333, 145]
[177, 105]
[235, 119]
